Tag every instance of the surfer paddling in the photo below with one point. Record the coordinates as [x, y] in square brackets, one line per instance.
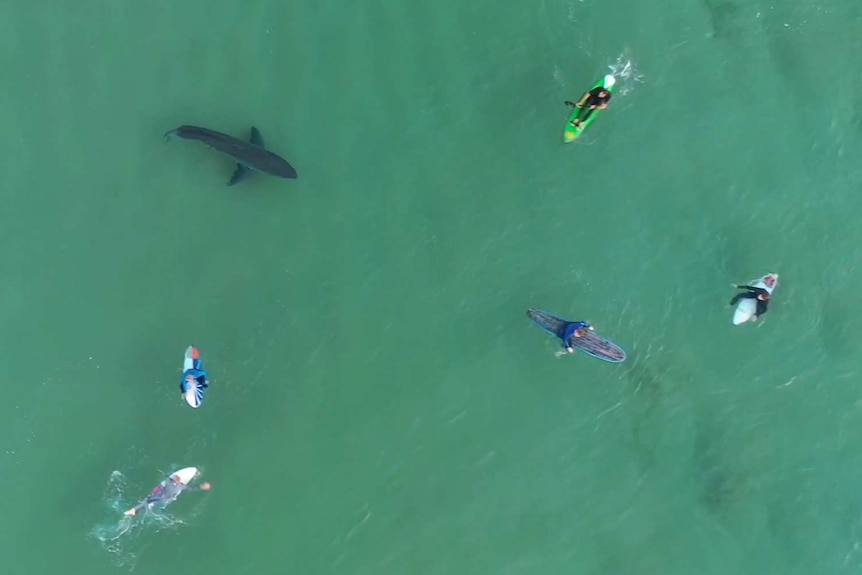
[573, 330]
[166, 492]
[596, 99]
[759, 294]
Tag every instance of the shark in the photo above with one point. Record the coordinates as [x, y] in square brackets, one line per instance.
[250, 157]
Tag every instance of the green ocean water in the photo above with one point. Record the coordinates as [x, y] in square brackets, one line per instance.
[379, 402]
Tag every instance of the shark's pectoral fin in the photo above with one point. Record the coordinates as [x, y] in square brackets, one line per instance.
[256, 138]
[240, 174]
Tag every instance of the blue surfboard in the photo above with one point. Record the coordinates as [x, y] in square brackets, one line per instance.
[590, 343]
[194, 380]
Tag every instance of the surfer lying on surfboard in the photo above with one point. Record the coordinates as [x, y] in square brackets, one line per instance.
[574, 329]
[191, 376]
[165, 492]
[596, 99]
[756, 293]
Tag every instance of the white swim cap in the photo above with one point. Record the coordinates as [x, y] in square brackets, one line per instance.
[610, 81]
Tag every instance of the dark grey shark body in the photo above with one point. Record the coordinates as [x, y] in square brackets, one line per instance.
[249, 156]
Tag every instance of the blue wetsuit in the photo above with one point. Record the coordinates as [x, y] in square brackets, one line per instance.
[199, 374]
[569, 333]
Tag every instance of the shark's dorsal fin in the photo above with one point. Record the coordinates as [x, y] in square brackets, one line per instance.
[256, 138]
[240, 174]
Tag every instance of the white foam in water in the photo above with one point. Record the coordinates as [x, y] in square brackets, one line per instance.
[120, 535]
[624, 71]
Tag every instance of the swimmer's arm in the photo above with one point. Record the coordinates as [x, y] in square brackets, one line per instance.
[134, 510]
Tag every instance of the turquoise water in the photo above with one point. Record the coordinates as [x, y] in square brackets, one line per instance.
[379, 403]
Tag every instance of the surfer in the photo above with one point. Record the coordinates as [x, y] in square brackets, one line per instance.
[193, 376]
[757, 293]
[573, 330]
[165, 492]
[596, 99]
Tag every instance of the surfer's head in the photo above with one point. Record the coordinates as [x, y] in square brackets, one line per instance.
[603, 93]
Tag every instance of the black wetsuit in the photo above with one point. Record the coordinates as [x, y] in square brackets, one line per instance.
[752, 293]
[594, 99]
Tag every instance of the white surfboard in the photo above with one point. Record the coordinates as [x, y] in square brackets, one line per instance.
[188, 359]
[194, 395]
[184, 476]
[746, 307]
